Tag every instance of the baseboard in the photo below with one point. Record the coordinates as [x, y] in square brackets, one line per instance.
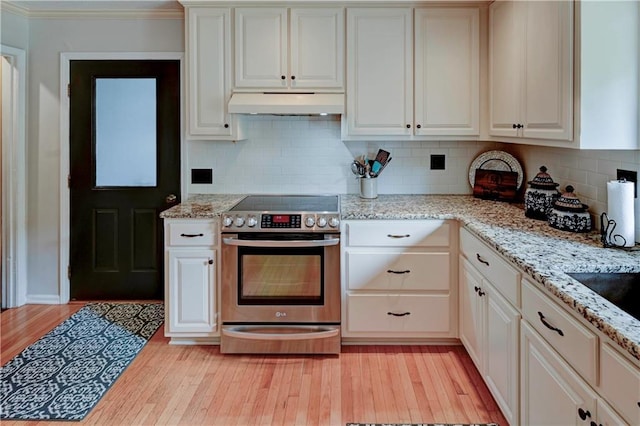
[43, 299]
[346, 341]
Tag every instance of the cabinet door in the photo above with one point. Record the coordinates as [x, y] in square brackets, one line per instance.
[502, 353]
[547, 109]
[261, 47]
[317, 48]
[551, 393]
[208, 51]
[505, 67]
[191, 295]
[447, 96]
[472, 313]
[380, 72]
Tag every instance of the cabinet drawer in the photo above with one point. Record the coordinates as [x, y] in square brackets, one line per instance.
[191, 233]
[398, 233]
[415, 313]
[620, 383]
[502, 276]
[397, 271]
[572, 340]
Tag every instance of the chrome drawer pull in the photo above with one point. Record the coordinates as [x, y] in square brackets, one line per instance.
[391, 271]
[191, 235]
[404, 314]
[481, 260]
[398, 236]
[549, 326]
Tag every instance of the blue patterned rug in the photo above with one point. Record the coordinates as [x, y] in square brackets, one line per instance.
[63, 375]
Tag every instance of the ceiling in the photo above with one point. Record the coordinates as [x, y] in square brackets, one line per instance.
[95, 5]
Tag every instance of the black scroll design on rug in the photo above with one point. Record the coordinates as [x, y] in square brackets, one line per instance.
[64, 374]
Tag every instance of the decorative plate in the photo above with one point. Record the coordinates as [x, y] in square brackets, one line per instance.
[496, 160]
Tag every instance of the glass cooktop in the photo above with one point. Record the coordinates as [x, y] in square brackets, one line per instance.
[288, 203]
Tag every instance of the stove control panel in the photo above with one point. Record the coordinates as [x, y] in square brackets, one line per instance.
[274, 222]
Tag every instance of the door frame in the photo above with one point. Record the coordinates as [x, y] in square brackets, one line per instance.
[14, 180]
[65, 193]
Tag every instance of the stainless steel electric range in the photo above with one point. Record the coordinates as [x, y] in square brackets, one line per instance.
[281, 275]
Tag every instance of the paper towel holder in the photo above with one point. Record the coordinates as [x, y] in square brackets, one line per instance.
[607, 236]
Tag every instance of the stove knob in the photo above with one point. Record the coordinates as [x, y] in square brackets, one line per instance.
[227, 221]
[239, 221]
[322, 221]
[334, 222]
[309, 221]
[252, 221]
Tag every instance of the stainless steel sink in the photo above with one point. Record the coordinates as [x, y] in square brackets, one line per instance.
[621, 289]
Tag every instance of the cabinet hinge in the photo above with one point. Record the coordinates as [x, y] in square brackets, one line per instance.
[68, 181]
[69, 90]
[69, 272]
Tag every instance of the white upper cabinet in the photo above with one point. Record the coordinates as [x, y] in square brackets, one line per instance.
[446, 72]
[565, 73]
[208, 74]
[382, 68]
[379, 72]
[531, 69]
[289, 49]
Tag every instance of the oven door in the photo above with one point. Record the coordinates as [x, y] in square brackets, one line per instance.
[280, 278]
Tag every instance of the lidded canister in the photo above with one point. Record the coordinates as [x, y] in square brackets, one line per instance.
[569, 214]
[540, 195]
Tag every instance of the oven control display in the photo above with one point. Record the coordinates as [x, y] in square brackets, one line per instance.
[281, 221]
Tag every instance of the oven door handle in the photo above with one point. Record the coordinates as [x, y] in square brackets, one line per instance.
[314, 332]
[232, 241]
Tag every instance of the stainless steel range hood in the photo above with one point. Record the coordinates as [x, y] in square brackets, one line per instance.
[287, 103]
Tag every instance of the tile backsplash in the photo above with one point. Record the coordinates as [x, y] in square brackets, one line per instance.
[305, 155]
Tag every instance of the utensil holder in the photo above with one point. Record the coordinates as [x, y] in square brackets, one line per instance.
[369, 188]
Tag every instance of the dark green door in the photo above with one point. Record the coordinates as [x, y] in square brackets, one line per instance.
[125, 169]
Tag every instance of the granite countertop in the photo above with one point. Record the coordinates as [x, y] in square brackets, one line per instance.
[544, 253]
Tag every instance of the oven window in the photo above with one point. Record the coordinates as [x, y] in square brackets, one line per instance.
[280, 276]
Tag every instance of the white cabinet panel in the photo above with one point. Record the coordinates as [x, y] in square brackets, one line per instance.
[398, 313]
[551, 394]
[397, 271]
[398, 233]
[379, 71]
[208, 82]
[447, 75]
[281, 48]
[191, 296]
[261, 47]
[572, 340]
[531, 69]
[620, 383]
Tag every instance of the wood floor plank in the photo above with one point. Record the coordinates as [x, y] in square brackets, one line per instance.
[196, 385]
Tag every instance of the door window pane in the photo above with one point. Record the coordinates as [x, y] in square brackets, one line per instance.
[125, 117]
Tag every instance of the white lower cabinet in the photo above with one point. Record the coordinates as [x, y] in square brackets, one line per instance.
[489, 330]
[397, 280]
[190, 281]
[552, 394]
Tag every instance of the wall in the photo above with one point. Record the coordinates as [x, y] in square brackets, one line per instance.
[305, 155]
[48, 38]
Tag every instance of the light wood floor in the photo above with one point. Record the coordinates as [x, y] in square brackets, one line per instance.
[196, 385]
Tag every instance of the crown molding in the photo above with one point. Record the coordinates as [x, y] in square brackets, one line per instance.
[8, 6]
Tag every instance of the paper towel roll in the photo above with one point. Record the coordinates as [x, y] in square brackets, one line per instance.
[620, 209]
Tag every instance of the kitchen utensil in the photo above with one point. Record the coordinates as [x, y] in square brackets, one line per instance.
[357, 169]
[382, 168]
[382, 156]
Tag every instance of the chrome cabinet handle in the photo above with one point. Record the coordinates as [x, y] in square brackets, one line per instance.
[404, 314]
[398, 236]
[391, 271]
[549, 326]
[232, 241]
[191, 235]
[481, 260]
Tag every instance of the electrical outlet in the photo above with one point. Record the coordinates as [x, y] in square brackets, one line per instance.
[202, 176]
[437, 162]
[630, 176]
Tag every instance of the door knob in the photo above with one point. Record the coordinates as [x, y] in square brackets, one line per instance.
[171, 198]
